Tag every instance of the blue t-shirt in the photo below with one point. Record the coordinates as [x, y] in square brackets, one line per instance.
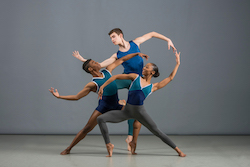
[135, 64]
[138, 94]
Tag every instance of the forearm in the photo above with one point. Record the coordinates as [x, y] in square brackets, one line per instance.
[69, 97]
[107, 62]
[172, 75]
[109, 81]
[159, 36]
[127, 57]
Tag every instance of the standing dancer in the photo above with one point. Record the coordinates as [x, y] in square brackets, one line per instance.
[133, 65]
[110, 98]
[139, 89]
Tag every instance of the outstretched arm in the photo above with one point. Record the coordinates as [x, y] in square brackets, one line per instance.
[130, 76]
[78, 56]
[150, 35]
[84, 92]
[109, 61]
[125, 58]
[164, 82]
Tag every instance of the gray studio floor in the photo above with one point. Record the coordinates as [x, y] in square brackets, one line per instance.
[202, 151]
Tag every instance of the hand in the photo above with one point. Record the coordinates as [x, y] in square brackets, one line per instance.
[78, 56]
[100, 92]
[56, 94]
[170, 44]
[143, 55]
[177, 55]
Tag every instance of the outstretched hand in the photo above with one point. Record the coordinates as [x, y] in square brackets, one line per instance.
[56, 94]
[78, 56]
[170, 44]
[143, 55]
[100, 92]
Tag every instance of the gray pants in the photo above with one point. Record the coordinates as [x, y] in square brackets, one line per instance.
[136, 112]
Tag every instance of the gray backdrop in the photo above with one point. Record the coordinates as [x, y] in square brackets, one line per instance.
[210, 94]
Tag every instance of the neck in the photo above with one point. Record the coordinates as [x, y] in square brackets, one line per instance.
[147, 78]
[96, 74]
[124, 44]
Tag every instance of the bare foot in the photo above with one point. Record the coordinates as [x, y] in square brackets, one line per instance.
[122, 102]
[181, 154]
[128, 140]
[65, 152]
[133, 147]
[110, 148]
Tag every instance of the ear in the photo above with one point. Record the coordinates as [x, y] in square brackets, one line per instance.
[90, 69]
[121, 35]
[152, 72]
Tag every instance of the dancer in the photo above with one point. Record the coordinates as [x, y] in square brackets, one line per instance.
[133, 65]
[139, 89]
[110, 98]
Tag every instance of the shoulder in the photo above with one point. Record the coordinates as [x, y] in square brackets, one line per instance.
[91, 86]
[106, 71]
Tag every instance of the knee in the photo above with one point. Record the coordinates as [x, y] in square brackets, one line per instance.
[100, 119]
[87, 128]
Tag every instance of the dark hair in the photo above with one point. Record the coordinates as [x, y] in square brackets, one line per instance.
[156, 70]
[85, 65]
[118, 31]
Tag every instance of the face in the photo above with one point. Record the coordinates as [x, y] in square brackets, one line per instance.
[94, 65]
[115, 38]
[147, 70]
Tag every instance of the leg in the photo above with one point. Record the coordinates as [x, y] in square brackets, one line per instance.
[114, 116]
[130, 132]
[80, 135]
[146, 120]
[137, 128]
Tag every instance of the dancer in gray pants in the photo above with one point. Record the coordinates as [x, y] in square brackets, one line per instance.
[139, 89]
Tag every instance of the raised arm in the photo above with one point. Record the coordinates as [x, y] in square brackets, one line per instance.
[78, 56]
[130, 76]
[109, 61]
[164, 82]
[150, 35]
[125, 58]
[84, 92]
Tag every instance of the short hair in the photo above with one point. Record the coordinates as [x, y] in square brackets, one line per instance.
[156, 70]
[118, 31]
[85, 65]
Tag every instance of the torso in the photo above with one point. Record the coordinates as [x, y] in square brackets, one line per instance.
[110, 89]
[139, 90]
[133, 65]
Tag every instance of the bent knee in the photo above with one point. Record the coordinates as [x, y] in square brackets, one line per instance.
[99, 119]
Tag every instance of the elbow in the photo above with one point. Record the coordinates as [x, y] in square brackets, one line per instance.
[76, 98]
[153, 33]
[171, 77]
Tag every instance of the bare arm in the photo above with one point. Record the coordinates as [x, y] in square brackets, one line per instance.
[84, 92]
[150, 35]
[125, 58]
[130, 76]
[109, 61]
[164, 82]
[78, 56]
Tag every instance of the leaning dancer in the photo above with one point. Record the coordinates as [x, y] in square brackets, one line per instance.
[110, 97]
[134, 65]
[139, 89]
